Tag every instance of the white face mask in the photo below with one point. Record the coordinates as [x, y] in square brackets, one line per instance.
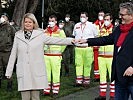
[67, 19]
[60, 26]
[100, 17]
[51, 24]
[2, 20]
[82, 20]
[106, 23]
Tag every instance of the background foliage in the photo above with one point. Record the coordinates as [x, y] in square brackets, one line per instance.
[17, 8]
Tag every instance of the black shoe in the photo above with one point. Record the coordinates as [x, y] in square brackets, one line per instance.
[55, 95]
[100, 98]
[96, 80]
[45, 94]
[77, 85]
[111, 98]
[86, 85]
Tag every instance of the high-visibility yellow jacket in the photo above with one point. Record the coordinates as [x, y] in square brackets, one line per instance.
[54, 50]
[99, 25]
[106, 51]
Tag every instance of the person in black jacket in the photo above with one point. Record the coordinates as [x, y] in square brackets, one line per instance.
[122, 64]
[7, 33]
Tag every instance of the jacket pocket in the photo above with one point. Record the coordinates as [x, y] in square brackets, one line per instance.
[19, 70]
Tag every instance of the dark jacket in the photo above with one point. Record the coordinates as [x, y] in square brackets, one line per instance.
[68, 28]
[7, 33]
[122, 59]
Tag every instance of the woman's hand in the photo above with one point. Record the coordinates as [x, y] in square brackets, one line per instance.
[75, 41]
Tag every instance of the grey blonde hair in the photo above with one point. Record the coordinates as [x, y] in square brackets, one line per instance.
[128, 6]
[32, 17]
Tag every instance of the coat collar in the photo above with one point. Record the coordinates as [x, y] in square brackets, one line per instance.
[35, 33]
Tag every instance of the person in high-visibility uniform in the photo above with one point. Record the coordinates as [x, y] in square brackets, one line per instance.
[83, 53]
[99, 25]
[53, 57]
[105, 60]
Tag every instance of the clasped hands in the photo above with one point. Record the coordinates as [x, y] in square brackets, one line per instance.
[79, 41]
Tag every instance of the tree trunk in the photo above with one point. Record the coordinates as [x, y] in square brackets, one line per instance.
[0, 7]
[33, 5]
[19, 11]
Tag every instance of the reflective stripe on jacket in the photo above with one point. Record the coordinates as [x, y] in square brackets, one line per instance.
[108, 49]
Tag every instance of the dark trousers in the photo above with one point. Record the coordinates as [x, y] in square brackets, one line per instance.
[68, 57]
[123, 92]
[72, 54]
[4, 57]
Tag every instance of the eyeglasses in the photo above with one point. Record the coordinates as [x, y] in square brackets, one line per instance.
[122, 14]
